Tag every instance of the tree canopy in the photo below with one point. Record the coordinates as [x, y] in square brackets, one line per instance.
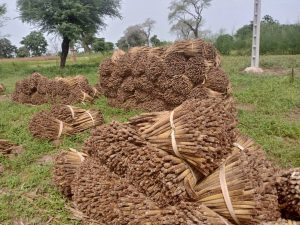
[7, 50]
[68, 18]
[186, 16]
[133, 36]
[36, 43]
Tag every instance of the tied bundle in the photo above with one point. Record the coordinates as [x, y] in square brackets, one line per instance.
[2, 88]
[288, 188]
[164, 178]
[200, 132]
[88, 119]
[66, 164]
[37, 89]
[109, 199]
[242, 189]
[66, 113]
[7, 148]
[43, 125]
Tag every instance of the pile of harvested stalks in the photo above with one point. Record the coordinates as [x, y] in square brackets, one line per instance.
[110, 199]
[242, 189]
[63, 120]
[164, 178]
[37, 89]
[66, 165]
[162, 78]
[200, 132]
[288, 187]
[281, 222]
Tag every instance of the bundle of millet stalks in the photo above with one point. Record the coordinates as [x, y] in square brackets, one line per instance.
[242, 189]
[63, 120]
[157, 79]
[37, 89]
[7, 148]
[111, 199]
[288, 187]
[164, 178]
[200, 132]
[2, 88]
[66, 164]
[281, 222]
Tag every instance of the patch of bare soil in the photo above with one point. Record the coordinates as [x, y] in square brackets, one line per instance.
[281, 71]
[294, 115]
[246, 107]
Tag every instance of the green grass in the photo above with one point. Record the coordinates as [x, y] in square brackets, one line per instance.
[26, 189]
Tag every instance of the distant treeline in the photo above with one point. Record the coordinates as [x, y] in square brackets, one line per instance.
[276, 38]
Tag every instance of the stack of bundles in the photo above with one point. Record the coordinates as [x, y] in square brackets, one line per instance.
[200, 132]
[37, 90]
[156, 79]
[164, 178]
[110, 199]
[288, 187]
[242, 189]
[2, 88]
[281, 222]
[63, 120]
[66, 165]
[7, 148]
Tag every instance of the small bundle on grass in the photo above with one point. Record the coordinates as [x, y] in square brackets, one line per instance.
[242, 189]
[164, 178]
[79, 96]
[88, 119]
[109, 199]
[66, 113]
[7, 148]
[200, 132]
[288, 188]
[43, 125]
[2, 88]
[66, 165]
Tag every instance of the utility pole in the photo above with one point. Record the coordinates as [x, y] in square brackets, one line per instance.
[255, 39]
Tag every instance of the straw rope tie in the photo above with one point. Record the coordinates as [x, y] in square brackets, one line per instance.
[239, 146]
[80, 155]
[72, 111]
[61, 127]
[173, 136]
[225, 193]
[91, 117]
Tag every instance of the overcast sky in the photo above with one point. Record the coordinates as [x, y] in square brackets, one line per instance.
[222, 14]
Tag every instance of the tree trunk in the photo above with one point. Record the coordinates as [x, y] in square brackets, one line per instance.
[64, 51]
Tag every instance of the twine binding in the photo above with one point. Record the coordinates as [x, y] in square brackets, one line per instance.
[72, 111]
[61, 127]
[91, 117]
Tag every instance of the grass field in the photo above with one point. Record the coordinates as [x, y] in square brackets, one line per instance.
[269, 112]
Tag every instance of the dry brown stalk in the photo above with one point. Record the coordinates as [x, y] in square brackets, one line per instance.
[66, 113]
[88, 119]
[8, 148]
[107, 198]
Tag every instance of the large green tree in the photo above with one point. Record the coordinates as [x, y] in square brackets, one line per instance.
[133, 36]
[2, 13]
[7, 50]
[36, 43]
[68, 18]
[187, 15]
[224, 43]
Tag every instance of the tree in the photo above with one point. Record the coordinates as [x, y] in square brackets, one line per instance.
[147, 27]
[100, 45]
[155, 41]
[133, 36]
[86, 41]
[224, 43]
[36, 43]
[7, 50]
[68, 18]
[182, 30]
[2, 13]
[23, 52]
[269, 19]
[189, 13]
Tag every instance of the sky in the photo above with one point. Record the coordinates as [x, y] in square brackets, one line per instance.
[222, 14]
